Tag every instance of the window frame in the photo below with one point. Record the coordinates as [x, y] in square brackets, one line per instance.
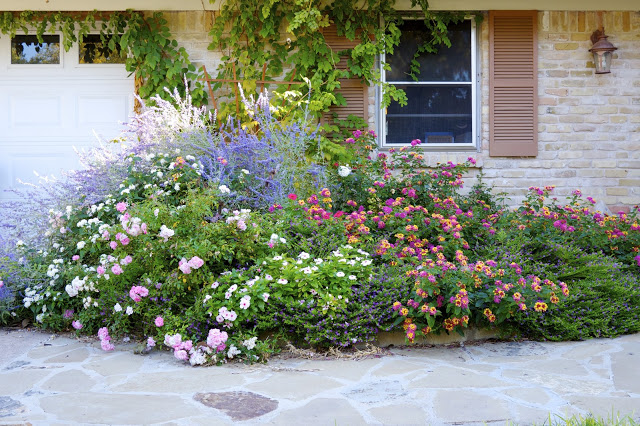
[475, 113]
[31, 32]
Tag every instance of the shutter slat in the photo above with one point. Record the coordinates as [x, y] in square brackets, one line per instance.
[513, 101]
[353, 90]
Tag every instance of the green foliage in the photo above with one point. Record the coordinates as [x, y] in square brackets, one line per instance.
[612, 419]
[287, 37]
[152, 54]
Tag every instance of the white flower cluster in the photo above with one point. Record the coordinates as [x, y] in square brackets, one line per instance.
[250, 343]
[344, 171]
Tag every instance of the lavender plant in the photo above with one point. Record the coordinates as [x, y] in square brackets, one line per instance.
[262, 166]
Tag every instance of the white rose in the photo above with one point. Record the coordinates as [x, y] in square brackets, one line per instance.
[80, 245]
[344, 171]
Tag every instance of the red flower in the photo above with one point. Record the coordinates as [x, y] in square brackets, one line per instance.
[292, 196]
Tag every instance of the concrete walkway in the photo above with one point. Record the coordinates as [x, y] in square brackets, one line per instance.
[46, 380]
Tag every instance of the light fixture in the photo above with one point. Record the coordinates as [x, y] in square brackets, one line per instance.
[602, 51]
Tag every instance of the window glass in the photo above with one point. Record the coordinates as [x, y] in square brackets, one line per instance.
[25, 49]
[440, 105]
[447, 64]
[94, 51]
[433, 114]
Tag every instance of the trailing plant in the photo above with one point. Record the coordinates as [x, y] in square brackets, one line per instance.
[153, 55]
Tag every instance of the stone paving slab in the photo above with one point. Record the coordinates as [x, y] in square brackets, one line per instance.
[47, 380]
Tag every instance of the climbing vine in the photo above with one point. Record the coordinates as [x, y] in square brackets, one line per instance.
[153, 56]
[275, 39]
[283, 37]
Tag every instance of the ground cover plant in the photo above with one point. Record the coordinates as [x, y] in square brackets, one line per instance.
[216, 240]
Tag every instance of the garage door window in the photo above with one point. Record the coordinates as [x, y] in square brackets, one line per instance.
[95, 50]
[26, 49]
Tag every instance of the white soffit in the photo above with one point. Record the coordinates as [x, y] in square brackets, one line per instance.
[75, 5]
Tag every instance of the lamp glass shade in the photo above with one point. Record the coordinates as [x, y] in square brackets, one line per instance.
[602, 61]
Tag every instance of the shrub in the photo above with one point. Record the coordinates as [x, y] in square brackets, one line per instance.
[203, 238]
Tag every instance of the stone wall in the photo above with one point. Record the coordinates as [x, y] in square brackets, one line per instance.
[589, 125]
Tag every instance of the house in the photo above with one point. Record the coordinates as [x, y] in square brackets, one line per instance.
[517, 91]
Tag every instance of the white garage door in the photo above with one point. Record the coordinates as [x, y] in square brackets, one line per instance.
[52, 101]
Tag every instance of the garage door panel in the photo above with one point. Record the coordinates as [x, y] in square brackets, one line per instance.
[20, 167]
[102, 110]
[47, 112]
[35, 111]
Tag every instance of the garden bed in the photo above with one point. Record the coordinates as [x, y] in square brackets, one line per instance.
[202, 237]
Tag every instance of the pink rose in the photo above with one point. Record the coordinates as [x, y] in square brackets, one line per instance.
[77, 325]
[75, 257]
[100, 270]
[195, 262]
[113, 245]
[103, 333]
[116, 269]
[181, 355]
[159, 321]
[184, 266]
[121, 207]
[124, 240]
[106, 345]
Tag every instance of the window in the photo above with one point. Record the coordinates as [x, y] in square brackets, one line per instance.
[26, 49]
[441, 106]
[93, 50]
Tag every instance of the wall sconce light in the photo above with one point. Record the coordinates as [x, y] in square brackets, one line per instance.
[602, 51]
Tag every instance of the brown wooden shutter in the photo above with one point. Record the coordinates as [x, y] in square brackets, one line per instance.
[513, 96]
[355, 93]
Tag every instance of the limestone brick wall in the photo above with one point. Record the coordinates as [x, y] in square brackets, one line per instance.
[191, 30]
[589, 124]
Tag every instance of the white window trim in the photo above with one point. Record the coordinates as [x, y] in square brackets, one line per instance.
[475, 114]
